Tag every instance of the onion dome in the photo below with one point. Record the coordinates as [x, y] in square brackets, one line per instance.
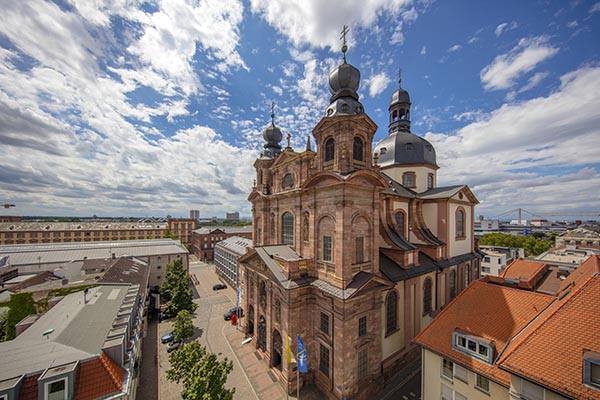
[400, 96]
[272, 135]
[344, 81]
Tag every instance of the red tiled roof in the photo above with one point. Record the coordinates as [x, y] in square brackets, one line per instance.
[528, 272]
[29, 390]
[98, 377]
[488, 310]
[550, 351]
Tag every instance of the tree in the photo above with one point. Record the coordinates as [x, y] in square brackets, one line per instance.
[202, 374]
[20, 306]
[168, 234]
[183, 326]
[532, 245]
[176, 288]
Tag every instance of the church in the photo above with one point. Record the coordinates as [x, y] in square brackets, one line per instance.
[355, 246]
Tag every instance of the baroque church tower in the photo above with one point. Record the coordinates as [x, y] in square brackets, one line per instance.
[354, 248]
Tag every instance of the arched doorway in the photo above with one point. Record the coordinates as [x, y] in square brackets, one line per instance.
[262, 334]
[250, 320]
[277, 351]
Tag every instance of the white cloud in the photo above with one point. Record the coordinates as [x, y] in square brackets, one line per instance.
[505, 27]
[534, 81]
[521, 150]
[424, 50]
[377, 83]
[317, 23]
[595, 8]
[572, 24]
[506, 68]
[454, 48]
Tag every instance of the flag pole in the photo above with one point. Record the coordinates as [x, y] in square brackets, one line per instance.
[297, 383]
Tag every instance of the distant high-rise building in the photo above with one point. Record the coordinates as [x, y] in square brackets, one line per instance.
[234, 216]
[195, 214]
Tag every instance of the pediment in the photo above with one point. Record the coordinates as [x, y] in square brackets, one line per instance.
[322, 179]
[285, 157]
[467, 194]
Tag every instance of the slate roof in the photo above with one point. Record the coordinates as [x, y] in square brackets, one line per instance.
[484, 309]
[397, 188]
[441, 192]
[125, 270]
[395, 272]
[225, 229]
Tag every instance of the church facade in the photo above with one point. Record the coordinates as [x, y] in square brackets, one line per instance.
[355, 246]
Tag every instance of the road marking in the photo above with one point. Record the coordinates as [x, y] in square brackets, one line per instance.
[238, 361]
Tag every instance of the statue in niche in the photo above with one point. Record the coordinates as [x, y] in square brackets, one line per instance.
[305, 228]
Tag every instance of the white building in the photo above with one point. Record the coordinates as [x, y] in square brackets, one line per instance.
[496, 258]
[227, 253]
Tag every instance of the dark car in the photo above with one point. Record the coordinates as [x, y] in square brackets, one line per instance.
[219, 286]
[167, 338]
[240, 313]
[174, 345]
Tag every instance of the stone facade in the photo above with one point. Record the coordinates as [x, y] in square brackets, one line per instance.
[345, 256]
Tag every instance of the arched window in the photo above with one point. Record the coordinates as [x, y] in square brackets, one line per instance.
[460, 223]
[391, 312]
[452, 284]
[329, 149]
[427, 296]
[287, 228]
[429, 181]
[408, 180]
[358, 149]
[400, 220]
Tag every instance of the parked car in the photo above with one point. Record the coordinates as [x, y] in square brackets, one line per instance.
[219, 286]
[167, 338]
[174, 345]
[240, 313]
[164, 315]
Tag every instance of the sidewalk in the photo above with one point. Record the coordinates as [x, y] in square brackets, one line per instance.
[264, 383]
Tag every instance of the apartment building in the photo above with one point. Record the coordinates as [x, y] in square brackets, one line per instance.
[227, 253]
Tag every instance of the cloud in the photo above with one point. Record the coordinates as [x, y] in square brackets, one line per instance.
[424, 50]
[533, 152]
[317, 23]
[505, 27]
[506, 68]
[454, 48]
[595, 8]
[534, 81]
[377, 83]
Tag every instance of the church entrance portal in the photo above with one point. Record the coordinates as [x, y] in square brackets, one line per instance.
[276, 353]
[262, 333]
[250, 320]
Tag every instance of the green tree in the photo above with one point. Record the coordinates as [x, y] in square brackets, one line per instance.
[183, 326]
[168, 234]
[202, 374]
[176, 288]
[533, 246]
[20, 306]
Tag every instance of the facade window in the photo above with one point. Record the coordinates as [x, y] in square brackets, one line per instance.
[400, 220]
[327, 248]
[408, 180]
[460, 223]
[362, 326]
[287, 228]
[358, 149]
[360, 250]
[427, 288]
[324, 360]
[277, 311]
[482, 383]
[447, 369]
[591, 369]
[56, 390]
[329, 149]
[429, 181]
[486, 259]
[363, 362]
[325, 323]
[467, 275]
[461, 373]
[391, 312]
[486, 269]
[452, 284]
[450, 394]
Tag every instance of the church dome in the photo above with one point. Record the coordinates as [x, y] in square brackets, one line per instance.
[400, 96]
[344, 81]
[405, 148]
[272, 134]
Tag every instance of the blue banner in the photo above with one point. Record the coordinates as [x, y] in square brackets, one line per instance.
[302, 358]
[3, 261]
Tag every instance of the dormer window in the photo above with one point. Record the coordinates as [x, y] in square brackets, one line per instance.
[408, 180]
[473, 346]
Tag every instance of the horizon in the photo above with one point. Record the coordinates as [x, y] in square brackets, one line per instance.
[149, 109]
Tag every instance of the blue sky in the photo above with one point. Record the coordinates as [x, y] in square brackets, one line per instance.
[148, 108]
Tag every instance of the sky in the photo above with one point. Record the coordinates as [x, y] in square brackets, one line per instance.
[153, 108]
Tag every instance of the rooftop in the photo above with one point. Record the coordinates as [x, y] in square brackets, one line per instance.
[78, 331]
[224, 229]
[236, 244]
[23, 226]
[29, 254]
